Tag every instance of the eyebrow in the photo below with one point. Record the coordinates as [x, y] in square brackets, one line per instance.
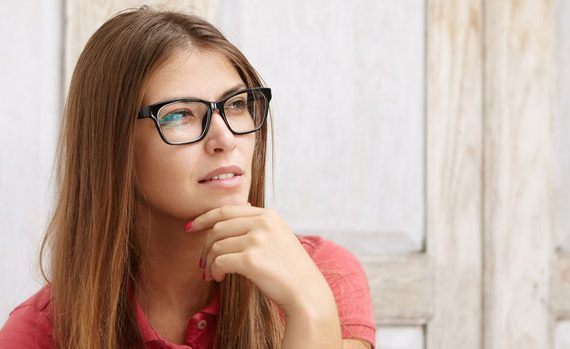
[232, 90]
[224, 94]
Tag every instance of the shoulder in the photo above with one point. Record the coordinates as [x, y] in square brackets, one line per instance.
[342, 269]
[29, 325]
[330, 257]
[347, 279]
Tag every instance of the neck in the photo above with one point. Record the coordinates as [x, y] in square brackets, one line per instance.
[170, 276]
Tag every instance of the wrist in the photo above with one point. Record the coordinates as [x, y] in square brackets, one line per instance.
[313, 301]
[312, 325]
[314, 304]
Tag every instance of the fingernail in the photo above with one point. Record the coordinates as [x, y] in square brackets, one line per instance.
[202, 264]
[188, 226]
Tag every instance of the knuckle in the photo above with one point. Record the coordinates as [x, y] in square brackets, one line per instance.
[266, 221]
[216, 263]
[256, 238]
[249, 259]
[223, 211]
[217, 226]
[215, 249]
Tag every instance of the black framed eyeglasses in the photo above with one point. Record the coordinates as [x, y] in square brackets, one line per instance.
[186, 120]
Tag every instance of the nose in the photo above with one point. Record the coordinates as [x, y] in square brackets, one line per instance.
[219, 138]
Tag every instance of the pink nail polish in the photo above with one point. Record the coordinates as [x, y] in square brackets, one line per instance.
[188, 226]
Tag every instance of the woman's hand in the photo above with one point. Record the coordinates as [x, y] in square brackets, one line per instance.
[256, 243]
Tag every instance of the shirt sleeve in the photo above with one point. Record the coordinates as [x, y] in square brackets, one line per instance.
[349, 285]
[27, 327]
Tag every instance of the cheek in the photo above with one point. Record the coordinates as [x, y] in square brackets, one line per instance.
[166, 182]
[248, 150]
[163, 174]
[250, 146]
[168, 175]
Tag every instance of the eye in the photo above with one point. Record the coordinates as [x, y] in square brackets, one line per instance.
[237, 104]
[177, 117]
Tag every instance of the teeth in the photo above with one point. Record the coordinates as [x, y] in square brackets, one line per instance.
[223, 176]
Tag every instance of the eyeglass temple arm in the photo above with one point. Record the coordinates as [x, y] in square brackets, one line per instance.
[144, 112]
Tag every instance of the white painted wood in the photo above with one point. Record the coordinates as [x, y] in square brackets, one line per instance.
[454, 160]
[562, 335]
[403, 288]
[519, 210]
[396, 337]
[348, 83]
[560, 288]
[562, 128]
[83, 17]
[29, 95]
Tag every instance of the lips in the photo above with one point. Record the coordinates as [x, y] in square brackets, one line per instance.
[236, 170]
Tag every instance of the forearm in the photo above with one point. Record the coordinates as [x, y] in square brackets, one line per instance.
[313, 326]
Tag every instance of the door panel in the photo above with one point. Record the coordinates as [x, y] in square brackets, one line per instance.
[348, 82]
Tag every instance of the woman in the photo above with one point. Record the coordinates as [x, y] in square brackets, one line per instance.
[159, 238]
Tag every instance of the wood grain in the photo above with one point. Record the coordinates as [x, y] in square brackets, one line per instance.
[403, 288]
[82, 18]
[560, 288]
[454, 163]
[518, 172]
[562, 129]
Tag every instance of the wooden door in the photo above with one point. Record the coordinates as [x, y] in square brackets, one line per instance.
[420, 136]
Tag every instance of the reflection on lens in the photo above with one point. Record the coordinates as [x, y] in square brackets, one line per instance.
[182, 121]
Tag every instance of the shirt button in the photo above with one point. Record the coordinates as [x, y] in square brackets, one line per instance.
[202, 324]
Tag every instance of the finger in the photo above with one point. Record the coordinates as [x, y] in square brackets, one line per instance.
[208, 219]
[228, 264]
[219, 248]
[226, 229]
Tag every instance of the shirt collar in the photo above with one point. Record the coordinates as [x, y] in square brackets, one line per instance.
[148, 334]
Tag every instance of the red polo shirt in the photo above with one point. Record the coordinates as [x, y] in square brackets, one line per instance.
[30, 324]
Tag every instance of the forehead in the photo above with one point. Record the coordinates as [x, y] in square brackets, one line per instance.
[191, 73]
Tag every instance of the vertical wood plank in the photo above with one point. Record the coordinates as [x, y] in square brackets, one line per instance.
[30, 59]
[562, 129]
[454, 164]
[560, 288]
[83, 18]
[518, 172]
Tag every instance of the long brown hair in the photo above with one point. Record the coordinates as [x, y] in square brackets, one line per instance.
[94, 248]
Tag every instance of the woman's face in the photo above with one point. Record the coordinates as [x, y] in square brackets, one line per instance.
[170, 175]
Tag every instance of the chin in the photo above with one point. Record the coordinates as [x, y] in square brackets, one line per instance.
[227, 200]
